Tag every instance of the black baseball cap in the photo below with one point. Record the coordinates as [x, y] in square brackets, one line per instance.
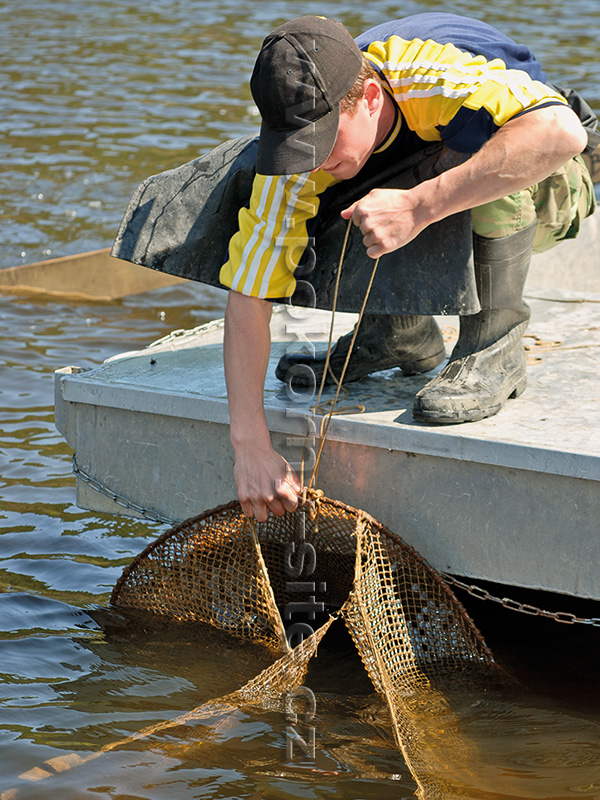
[303, 70]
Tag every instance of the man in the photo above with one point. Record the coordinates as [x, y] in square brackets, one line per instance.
[329, 107]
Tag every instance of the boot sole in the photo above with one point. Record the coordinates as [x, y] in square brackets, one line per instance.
[468, 415]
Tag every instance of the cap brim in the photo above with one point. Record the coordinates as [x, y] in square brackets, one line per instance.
[289, 152]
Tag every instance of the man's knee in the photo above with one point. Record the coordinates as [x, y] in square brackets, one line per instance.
[505, 216]
[558, 205]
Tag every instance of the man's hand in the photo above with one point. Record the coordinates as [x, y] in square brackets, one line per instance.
[387, 218]
[265, 482]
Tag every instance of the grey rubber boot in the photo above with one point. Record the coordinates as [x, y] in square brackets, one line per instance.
[413, 343]
[488, 363]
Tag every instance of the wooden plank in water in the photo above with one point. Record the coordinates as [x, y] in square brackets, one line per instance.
[94, 274]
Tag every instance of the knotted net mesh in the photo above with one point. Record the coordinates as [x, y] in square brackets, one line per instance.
[276, 581]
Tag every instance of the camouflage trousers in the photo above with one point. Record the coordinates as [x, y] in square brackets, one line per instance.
[558, 204]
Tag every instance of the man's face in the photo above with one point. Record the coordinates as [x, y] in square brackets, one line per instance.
[356, 140]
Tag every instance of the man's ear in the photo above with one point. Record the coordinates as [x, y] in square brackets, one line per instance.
[373, 94]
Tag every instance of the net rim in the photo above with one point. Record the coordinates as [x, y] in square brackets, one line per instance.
[315, 498]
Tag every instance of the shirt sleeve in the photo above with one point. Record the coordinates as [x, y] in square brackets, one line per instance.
[272, 236]
[447, 94]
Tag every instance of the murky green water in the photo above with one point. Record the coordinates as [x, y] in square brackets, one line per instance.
[94, 97]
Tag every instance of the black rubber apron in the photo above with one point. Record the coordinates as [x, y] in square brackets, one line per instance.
[181, 221]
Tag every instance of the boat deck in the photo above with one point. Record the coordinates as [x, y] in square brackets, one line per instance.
[514, 498]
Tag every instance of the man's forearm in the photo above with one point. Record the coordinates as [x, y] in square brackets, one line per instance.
[264, 480]
[246, 354]
[523, 152]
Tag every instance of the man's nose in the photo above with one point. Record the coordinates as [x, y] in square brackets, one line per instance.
[324, 165]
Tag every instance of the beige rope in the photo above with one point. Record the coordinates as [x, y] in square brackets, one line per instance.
[328, 356]
[327, 420]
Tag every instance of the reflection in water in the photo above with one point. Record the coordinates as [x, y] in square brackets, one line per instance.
[96, 96]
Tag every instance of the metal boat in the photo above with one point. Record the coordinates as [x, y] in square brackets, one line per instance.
[513, 499]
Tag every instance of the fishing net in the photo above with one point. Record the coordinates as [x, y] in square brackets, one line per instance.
[282, 582]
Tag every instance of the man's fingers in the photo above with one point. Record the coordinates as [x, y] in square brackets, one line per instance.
[293, 479]
[287, 491]
[348, 212]
[290, 503]
[374, 245]
[277, 507]
[285, 499]
[259, 510]
[375, 252]
[247, 508]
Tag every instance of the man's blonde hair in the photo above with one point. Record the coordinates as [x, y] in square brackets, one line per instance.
[349, 102]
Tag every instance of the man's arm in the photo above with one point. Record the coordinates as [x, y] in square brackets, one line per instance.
[262, 258]
[264, 480]
[523, 152]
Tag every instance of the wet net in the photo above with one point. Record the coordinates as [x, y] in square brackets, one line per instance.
[283, 581]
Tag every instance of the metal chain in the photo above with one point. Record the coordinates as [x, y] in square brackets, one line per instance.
[475, 591]
[514, 605]
[187, 333]
[153, 516]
